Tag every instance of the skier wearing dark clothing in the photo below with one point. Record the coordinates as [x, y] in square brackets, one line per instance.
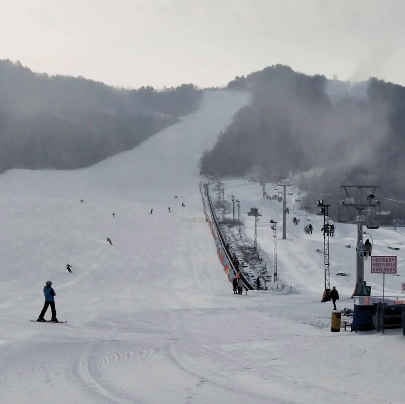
[258, 283]
[334, 295]
[240, 286]
[235, 286]
[151, 211]
[109, 240]
[113, 215]
[367, 249]
[169, 209]
[236, 263]
[68, 266]
[49, 294]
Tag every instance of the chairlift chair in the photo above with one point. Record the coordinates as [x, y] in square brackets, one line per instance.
[342, 216]
[372, 221]
[364, 250]
[307, 229]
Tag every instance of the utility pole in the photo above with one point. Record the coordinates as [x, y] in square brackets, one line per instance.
[274, 228]
[284, 209]
[360, 202]
[238, 202]
[255, 242]
[233, 209]
[255, 212]
[324, 210]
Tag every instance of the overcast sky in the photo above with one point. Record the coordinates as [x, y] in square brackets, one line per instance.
[132, 43]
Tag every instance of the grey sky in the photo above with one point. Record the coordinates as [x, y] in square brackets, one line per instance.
[132, 43]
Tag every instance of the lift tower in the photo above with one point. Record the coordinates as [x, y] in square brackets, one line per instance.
[284, 209]
[324, 211]
[274, 228]
[360, 197]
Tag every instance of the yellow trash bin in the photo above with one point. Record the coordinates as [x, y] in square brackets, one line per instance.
[335, 321]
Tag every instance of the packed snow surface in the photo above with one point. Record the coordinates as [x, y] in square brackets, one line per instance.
[152, 318]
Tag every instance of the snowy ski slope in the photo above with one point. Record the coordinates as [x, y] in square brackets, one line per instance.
[298, 262]
[152, 319]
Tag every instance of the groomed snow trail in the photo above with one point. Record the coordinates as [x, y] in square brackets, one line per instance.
[152, 318]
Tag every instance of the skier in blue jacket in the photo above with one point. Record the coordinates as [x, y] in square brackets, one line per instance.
[49, 294]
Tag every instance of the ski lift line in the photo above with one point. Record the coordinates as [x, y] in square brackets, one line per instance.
[389, 199]
[311, 193]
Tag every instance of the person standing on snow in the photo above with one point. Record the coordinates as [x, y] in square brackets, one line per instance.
[109, 240]
[258, 283]
[334, 295]
[151, 211]
[240, 286]
[49, 294]
[68, 267]
[235, 286]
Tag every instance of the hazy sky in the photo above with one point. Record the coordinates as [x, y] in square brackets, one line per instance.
[132, 43]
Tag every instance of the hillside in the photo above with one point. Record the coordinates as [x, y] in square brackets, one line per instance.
[324, 133]
[63, 122]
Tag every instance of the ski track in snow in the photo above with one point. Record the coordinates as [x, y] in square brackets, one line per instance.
[152, 319]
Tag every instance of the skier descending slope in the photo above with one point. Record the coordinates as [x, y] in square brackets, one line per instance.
[109, 240]
[68, 267]
[49, 301]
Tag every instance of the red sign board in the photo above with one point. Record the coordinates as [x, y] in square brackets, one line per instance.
[384, 265]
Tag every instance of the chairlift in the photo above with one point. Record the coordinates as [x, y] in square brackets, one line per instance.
[372, 221]
[342, 216]
[365, 250]
[297, 199]
[290, 193]
[329, 229]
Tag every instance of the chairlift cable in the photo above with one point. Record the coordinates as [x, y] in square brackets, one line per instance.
[389, 199]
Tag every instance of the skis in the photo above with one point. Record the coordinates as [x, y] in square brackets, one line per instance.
[49, 321]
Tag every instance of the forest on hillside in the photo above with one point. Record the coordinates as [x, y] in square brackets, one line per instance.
[292, 128]
[64, 122]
